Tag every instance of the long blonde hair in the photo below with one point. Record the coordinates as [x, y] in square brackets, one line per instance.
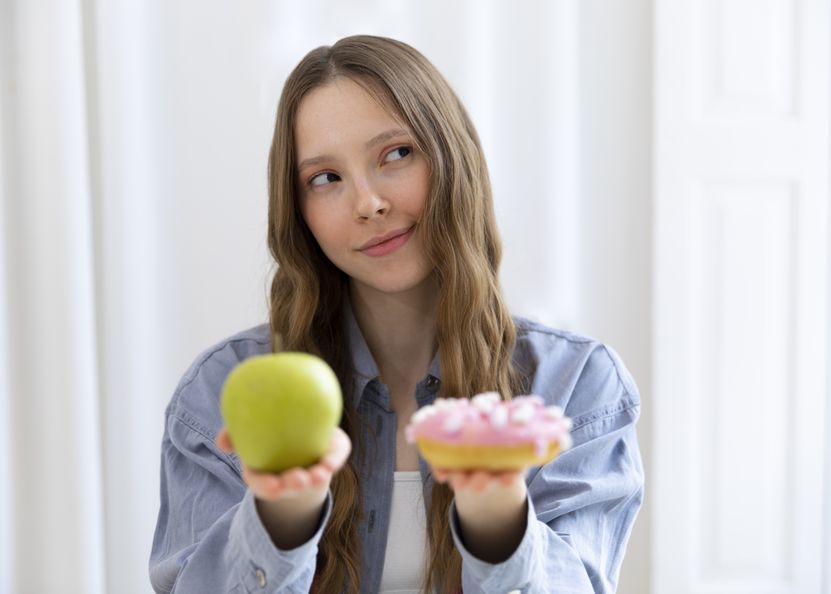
[475, 332]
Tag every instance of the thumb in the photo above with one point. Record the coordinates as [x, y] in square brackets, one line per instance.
[339, 450]
[223, 441]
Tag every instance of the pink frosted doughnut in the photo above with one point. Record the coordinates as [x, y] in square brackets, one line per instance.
[487, 432]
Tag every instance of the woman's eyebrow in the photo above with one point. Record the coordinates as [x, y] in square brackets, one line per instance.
[314, 161]
[384, 136]
[377, 139]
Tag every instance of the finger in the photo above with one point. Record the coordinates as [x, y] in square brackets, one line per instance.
[319, 475]
[339, 451]
[480, 480]
[459, 480]
[296, 478]
[440, 475]
[272, 485]
[507, 478]
[223, 441]
[265, 485]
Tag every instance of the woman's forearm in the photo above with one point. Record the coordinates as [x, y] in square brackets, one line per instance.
[493, 524]
[292, 521]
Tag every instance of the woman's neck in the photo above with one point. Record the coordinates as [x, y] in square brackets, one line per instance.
[399, 329]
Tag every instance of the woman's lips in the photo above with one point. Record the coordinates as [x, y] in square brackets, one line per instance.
[390, 245]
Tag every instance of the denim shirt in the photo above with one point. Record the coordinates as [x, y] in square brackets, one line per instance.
[581, 506]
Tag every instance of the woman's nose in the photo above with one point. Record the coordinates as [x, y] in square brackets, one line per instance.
[368, 201]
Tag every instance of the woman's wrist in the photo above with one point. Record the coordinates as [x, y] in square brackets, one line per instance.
[492, 523]
[291, 521]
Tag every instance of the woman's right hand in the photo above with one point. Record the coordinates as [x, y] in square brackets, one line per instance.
[298, 481]
[289, 503]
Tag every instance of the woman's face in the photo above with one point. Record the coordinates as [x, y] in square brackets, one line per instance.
[361, 179]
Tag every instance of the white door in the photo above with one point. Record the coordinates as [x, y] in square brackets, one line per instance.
[741, 223]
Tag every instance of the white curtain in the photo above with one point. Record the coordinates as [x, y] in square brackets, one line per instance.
[133, 144]
[52, 483]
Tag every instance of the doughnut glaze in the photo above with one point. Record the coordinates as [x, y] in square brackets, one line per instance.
[487, 432]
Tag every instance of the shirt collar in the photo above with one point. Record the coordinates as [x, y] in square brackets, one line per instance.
[363, 363]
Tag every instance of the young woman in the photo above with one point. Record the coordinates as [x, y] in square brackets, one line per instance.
[381, 222]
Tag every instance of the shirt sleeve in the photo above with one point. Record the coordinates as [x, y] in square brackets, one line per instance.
[209, 537]
[581, 506]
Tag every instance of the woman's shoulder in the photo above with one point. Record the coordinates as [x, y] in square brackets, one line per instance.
[581, 374]
[537, 341]
[196, 398]
[533, 329]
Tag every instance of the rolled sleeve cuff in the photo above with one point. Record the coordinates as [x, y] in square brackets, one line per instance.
[512, 574]
[264, 567]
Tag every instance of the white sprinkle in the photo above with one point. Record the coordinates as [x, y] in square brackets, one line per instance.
[452, 424]
[554, 412]
[492, 395]
[499, 417]
[423, 413]
[486, 401]
[522, 414]
[443, 403]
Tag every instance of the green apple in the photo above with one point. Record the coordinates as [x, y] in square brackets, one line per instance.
[280, 410]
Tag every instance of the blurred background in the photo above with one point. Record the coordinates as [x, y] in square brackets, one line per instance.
[661, 179]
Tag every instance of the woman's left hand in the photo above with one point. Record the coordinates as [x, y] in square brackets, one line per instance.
[483, 493]
[491, 506]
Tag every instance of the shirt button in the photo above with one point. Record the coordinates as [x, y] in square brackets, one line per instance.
[260, 577]
[432, 382]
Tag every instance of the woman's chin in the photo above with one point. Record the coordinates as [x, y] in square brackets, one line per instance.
[395, 285]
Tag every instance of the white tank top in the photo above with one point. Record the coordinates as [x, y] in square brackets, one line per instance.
[406, 555]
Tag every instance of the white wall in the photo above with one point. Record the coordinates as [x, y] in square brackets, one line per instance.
[741, 160]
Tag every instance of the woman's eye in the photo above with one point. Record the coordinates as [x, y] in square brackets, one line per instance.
[398, 153]
[321, 179]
